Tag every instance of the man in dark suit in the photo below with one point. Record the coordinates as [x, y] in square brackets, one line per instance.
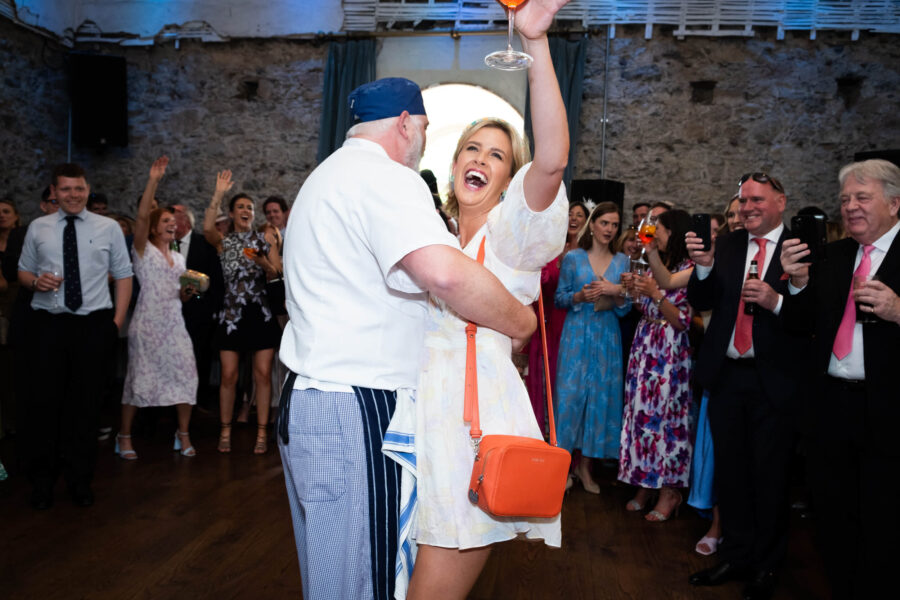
[855, 408]
[749, 365]
[199, 312]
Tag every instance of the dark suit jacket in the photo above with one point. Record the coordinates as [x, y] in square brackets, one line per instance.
[199, 311]
[780, 354]
[819, 309]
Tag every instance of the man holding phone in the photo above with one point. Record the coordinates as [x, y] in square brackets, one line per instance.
[855, 391]
[749, 364]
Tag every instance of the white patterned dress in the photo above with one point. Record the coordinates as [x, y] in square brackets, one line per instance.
[161, 367]
[519, 243]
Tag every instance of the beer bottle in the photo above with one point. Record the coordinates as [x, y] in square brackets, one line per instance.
[750, 307]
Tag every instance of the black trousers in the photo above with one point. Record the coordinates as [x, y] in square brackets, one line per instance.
[855, 491]
[61, 410]
[201, 333]
[752, 439]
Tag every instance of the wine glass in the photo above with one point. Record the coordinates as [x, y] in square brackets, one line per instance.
[56, 271]
[509, 59]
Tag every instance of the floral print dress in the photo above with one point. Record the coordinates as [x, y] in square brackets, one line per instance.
[656, 445]
[245, 281]
[161, 368]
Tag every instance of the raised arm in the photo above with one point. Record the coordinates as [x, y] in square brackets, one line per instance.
[212, 235]
[665, 279]
[142, 223]
[548, 113]
[470, 289]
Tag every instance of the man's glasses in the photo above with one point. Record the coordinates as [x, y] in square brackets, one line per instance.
[762, 177]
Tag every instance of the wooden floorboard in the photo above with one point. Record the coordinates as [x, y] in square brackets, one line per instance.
[218, 526]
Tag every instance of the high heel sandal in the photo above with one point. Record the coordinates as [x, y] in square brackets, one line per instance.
[707, 545]
[126, 454]
[634, 506]
[262, 445]
[224, 440]
[656, 516]
[583, 472]
[189, 451]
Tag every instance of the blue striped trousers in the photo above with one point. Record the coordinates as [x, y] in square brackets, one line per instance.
[343, 492]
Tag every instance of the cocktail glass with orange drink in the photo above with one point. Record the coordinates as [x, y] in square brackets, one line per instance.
[509, 59]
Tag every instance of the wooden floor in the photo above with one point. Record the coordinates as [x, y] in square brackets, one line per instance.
[218, 526]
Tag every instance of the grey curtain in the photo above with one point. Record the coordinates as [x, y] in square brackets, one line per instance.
[351, 63]
[568, 62]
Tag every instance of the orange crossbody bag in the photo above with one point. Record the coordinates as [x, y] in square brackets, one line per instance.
[513, 476]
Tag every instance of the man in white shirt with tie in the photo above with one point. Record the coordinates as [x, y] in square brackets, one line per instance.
[750, 365]
[849, 300]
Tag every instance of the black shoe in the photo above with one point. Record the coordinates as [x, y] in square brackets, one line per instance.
[717, 575]
[82, 495]
[761, 587]
[41, 498]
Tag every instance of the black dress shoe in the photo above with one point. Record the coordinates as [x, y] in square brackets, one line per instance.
[82, 495]
[41, 499]
[761, 586]
[717, 575]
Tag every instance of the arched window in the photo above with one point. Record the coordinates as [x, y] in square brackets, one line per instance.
[451, 107]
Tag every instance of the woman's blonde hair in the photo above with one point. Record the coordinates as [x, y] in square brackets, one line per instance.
[521, 154]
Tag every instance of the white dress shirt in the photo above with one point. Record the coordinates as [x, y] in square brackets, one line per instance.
[852, 366]
[752, 247]
[185, 245]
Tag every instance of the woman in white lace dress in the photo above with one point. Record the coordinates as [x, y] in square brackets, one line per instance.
[161, 367]
[521, 212]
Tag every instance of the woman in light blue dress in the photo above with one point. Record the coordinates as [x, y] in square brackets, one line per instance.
[589, 372]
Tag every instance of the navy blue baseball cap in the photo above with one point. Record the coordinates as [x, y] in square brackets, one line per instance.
[385, 98]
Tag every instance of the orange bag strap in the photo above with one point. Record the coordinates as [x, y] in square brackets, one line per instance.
[470, 405]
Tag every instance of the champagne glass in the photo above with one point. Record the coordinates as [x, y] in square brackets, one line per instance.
[647, 232]
[509, 59]
[639, 267]
[56, 271]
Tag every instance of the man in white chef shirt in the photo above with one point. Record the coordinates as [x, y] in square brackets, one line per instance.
[363, 249]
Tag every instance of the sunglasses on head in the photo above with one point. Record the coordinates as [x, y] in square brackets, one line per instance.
[762, 177]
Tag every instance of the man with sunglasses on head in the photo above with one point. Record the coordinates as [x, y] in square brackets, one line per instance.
[749, 363]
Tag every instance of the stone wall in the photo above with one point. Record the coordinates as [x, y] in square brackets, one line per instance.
[686, 117]
[797, 108]
[249, 106]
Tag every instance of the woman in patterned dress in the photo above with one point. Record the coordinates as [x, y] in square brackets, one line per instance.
[246, 323]
[656, 447]
[589, 380]
[520, 211]
[159, 348]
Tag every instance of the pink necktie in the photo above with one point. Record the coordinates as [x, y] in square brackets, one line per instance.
[743, 327]
[843, 341]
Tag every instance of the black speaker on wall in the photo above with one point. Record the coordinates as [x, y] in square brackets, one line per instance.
[99, 100]
[889, 155]
[597, 191]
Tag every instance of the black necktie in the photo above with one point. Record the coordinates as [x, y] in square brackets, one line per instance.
[71, 273]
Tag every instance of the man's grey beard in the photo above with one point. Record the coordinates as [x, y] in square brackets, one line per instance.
[414, 152]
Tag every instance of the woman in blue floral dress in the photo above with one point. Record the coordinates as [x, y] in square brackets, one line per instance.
[246, 324]
[589, 376]
[656, 446]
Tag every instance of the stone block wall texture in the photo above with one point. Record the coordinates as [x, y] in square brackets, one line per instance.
[251, 106]
[798, 108]
[776, 105]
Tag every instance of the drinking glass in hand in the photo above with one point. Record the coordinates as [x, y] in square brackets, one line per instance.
[864, 316]
[509, 59]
